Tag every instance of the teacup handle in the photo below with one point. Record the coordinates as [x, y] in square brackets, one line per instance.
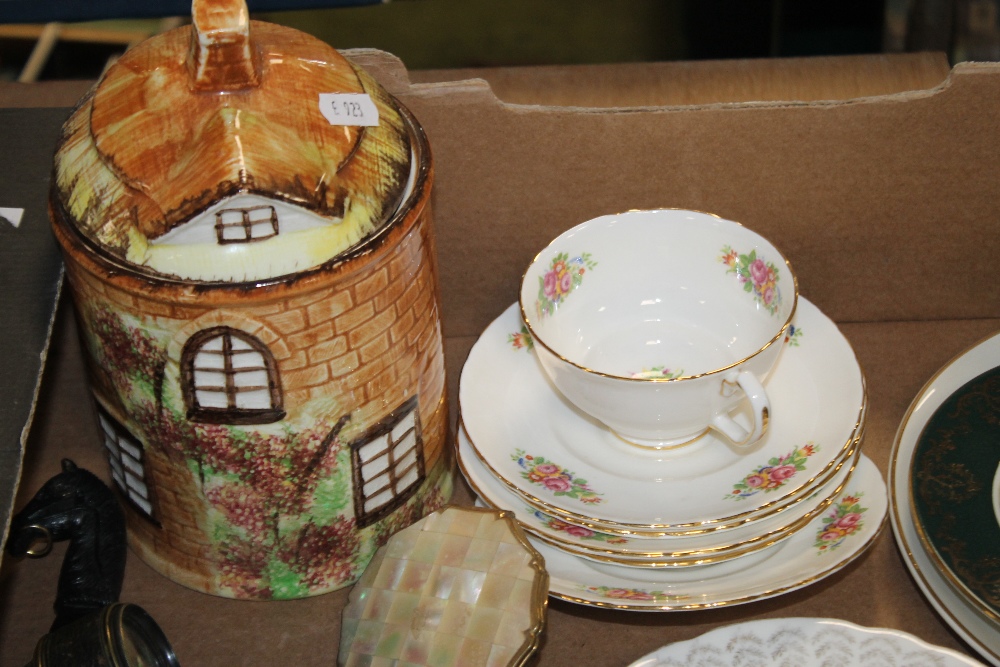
[759, 404]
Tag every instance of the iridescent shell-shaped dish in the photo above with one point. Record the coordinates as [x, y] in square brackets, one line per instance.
[463, 587]
[245, 221]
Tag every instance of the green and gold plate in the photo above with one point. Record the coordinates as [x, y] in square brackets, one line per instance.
[954, 482]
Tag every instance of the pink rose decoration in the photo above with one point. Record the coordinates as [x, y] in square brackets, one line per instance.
[627, 594]
[553, 477]
[565, 282]
[754, 481]
[781, 473]
[549, 286]
[579, 531]
[831, 535]
[768, 296]
[617, 593]
[556, 484]
[849, 521]
[639, 595]
[758, 271]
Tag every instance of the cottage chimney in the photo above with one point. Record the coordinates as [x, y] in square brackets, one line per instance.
[222, 57]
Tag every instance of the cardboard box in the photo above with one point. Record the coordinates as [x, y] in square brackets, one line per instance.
[31, 275]
[880, 189]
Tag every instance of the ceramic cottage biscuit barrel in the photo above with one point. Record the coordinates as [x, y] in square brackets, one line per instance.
[245, 221]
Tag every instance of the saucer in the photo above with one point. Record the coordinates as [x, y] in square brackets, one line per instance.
[573, 467]
[677, 551]
[804, 642]
[966, 615]
[828, 544]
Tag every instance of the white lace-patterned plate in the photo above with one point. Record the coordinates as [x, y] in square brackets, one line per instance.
[573, 467]
[828, 544]
[964, 615]
[679, 550]
[803, 642]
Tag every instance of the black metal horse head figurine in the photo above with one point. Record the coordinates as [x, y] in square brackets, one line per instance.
[77, 506]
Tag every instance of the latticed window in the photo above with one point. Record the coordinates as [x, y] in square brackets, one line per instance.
[230, 377]
[125, 454]
[388, 464]
[243, 225]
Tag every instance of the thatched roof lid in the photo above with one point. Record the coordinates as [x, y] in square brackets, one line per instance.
[224, 107]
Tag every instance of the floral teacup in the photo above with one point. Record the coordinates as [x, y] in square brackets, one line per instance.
[658, 323]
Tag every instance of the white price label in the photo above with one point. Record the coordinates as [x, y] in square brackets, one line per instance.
[356, 109]
[12, 215]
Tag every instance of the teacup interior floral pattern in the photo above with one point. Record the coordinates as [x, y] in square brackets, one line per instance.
[565, 274]
[774, 474]
[554, 478]
[844, 520]
[757, 276]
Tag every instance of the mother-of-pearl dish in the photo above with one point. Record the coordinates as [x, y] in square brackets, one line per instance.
[965, 615]
[803, 642]
[828, 544]
[570, 465]
[672, 550]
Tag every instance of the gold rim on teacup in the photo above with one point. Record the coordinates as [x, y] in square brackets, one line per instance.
[781, 333]
[651, 420]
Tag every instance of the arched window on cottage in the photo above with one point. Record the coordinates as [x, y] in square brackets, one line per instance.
[388, 464]
[128, 463]
[230, 377]
[243, 225]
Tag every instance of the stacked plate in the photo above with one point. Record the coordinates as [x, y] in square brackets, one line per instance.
[945, 494]
[704, 525]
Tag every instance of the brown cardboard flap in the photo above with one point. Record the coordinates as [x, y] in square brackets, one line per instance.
[31, 280]
[883, 204]
[679, 83]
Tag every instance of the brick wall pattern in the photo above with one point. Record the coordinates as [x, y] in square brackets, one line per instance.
[359, 339]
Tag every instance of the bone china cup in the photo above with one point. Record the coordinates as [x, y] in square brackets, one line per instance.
[661, 323]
